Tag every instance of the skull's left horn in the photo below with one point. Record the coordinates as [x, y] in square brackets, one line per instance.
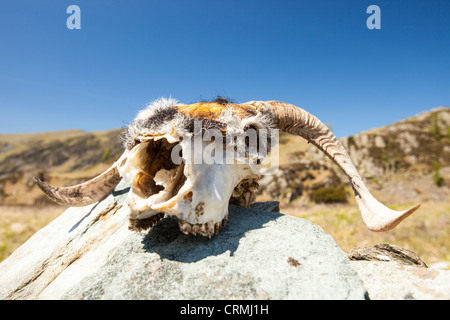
[291, 119]
[85, 193]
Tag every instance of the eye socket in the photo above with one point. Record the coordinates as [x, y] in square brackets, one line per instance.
[146, 184]
[154, 156]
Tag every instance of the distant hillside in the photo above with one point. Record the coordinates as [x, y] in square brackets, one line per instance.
[413, 149]
[419, 145]
[61, 158]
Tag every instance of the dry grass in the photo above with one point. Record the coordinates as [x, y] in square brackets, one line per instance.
[426, 232]
[289, 147]
[19, 223]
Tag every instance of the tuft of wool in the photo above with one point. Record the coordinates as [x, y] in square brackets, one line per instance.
[153, 119]
[161, 115]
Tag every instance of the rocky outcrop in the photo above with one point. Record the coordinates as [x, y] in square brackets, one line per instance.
[300, 179]
[390, 272]
[417, 144]
[396, 281]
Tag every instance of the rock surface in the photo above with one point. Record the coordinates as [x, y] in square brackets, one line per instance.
[89, 253]
[394, 281]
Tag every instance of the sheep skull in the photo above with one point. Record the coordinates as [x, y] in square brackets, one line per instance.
[195, 194]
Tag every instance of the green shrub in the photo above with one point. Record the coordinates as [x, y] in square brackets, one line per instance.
[351, 141]
[106, 154]
[329, 194]
[435, 128]
[436, 176]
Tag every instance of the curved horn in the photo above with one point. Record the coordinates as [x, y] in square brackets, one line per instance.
[294, 120]
[86, 193]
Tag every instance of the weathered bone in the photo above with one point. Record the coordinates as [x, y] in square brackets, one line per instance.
[197, 195]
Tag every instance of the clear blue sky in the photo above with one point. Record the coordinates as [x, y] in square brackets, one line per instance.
[318, 55]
